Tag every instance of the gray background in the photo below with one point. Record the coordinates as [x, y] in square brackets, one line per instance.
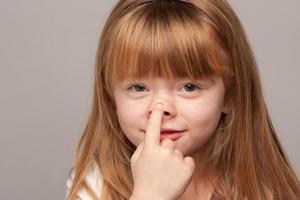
[47, 53]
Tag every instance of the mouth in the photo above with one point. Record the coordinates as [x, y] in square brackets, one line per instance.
[169, 134]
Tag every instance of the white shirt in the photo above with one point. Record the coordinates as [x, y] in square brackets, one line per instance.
[93, 179]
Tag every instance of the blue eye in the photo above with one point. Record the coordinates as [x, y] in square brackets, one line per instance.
[191, 87]
[137, 88]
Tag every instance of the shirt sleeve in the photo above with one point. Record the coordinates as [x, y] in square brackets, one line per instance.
[69, 184]
[93, 179]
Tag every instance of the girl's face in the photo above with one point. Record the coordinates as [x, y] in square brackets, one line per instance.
[191, 107]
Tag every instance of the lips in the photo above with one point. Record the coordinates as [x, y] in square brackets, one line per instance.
[168, 131]
[172, 136]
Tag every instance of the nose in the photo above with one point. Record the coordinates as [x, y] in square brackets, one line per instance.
[169, 110]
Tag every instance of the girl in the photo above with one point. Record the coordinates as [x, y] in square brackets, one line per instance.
[178, 110]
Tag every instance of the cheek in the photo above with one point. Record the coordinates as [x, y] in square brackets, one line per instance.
[130, 111]
[129, 117]
[204, 116]
[201, 121]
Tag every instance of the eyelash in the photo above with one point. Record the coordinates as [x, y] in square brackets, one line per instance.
[191, 84]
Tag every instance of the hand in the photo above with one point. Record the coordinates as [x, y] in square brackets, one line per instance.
[159, 170]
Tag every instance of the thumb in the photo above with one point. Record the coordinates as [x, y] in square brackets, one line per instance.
[137, 153]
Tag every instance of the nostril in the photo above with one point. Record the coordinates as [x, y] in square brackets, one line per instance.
[165, 113]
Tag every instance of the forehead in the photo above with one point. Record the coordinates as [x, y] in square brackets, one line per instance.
[172, 44]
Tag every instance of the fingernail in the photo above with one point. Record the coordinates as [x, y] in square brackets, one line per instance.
[159, 106]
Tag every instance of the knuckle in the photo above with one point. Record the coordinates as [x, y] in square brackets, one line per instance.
[189, 164]
[167, 142]
[166, 152]
[178, 153]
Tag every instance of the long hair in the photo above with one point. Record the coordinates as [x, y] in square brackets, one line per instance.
[195, 39]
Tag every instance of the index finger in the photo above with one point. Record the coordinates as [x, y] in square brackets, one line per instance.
[153, 129]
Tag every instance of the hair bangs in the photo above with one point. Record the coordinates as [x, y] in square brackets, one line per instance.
[164, 40]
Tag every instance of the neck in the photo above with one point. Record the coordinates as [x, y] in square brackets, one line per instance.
[200, 189]
[204, 179]
[204, 166]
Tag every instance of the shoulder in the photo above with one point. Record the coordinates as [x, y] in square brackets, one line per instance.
[93, 179]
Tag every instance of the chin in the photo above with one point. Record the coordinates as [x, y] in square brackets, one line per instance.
[187, 149]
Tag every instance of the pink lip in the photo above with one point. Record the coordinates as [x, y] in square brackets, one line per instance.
[169, 130]
[170, 134]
